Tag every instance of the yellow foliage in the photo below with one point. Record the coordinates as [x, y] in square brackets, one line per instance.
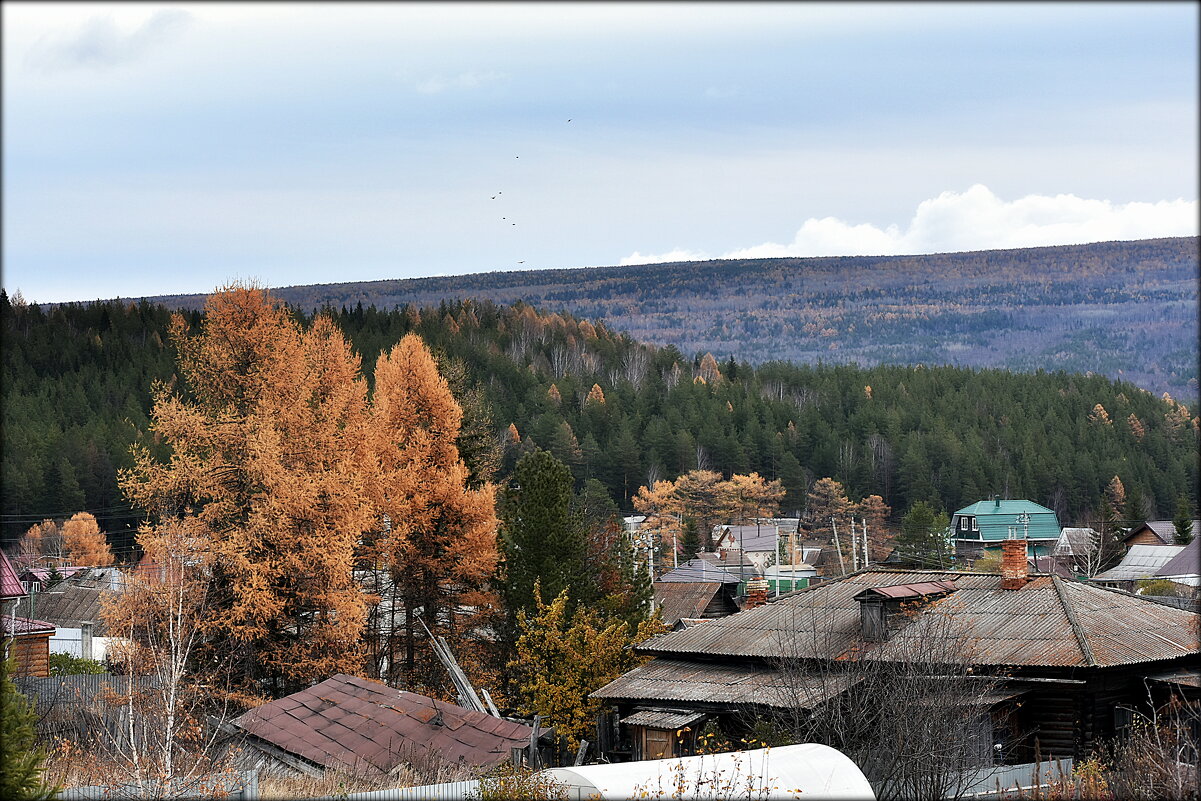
[561, 660]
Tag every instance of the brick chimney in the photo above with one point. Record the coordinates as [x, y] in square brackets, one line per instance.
[756, 593]
[1013, 565]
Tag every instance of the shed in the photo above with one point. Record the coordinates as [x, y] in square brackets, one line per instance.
[694, 599]
[372, 729]
[808, 770]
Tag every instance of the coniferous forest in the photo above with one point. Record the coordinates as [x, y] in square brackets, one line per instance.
[77, 381]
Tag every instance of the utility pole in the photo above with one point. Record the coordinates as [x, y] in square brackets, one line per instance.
[842, 568]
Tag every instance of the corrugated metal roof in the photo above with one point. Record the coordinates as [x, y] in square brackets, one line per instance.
[1140, 562]
[751, 538]
[1028, 626]
[663, 718]
[918, 590]
[10, 584]
[994, 520]
[677, 599]
[67, 604]
[699, 569]
[1188, 677]
[680, 681]
[370, 728]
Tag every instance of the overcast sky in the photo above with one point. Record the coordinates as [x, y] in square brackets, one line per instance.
[153, 149]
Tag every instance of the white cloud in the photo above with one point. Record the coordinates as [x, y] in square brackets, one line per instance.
[979, 220]
[100, 43]
[464, 80]
[660, 258]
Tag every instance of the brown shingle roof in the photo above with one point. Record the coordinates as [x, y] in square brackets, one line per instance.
[371, 728]
[1029, 626]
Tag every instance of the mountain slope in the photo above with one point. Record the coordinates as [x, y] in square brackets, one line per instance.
[1127, 310]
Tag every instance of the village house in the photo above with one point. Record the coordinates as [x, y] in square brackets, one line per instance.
[1156, 532]
[1140, 562]
[1071, 660]
[74, 607]
[26, 640]
[985, 525]
[758, 543]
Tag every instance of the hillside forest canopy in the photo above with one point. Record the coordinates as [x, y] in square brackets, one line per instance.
[1127, 310]
[77, 381]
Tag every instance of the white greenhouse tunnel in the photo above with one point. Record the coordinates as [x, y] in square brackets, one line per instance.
[806, 771]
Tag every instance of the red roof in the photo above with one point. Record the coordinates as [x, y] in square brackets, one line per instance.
[370, 728]
[10, 584]
[918, 590]
[24, 625]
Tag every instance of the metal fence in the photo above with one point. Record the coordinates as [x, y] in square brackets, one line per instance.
[1005, 780]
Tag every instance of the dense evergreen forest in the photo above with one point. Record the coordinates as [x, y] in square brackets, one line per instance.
[77, 381]
[1127, 310]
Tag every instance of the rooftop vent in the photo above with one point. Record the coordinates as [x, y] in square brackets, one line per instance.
[878, 606]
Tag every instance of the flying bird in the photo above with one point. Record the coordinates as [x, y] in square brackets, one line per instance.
[521, 262]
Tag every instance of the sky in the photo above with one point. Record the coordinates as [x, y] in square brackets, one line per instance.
[156, 149]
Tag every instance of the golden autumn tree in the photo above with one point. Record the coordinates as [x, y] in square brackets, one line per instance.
[84, 543]
[562, 658]
[265, 478]
[744, 497]
[437, 549]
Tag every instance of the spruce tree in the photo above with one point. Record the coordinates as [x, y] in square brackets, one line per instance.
[542, 535]
[21, 759]
[1182, 522]
[922, 540]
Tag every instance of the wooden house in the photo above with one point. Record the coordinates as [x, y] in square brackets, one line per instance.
[1156, 532]
[1070, 660]
[27, 640]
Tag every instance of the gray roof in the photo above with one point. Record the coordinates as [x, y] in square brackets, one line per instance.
[752, 538]
[1047, 622]
[1076, 542]
[1140, 562]
[681, 681]
[1185, 563]
[699, 570]
[67, 605]
[677, 599]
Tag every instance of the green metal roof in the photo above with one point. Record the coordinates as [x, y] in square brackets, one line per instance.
[995, 517]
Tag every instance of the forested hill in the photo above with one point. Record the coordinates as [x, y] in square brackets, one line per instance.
[1122, 309]
[77, 382]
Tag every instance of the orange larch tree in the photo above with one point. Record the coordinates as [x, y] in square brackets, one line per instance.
[84, 543]
[438, 546]
[265, 478]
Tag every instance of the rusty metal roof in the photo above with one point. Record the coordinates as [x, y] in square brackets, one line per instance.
[918, 590]
[1047, 622]
[663, 718]
[67, 605]
[678, 681]
[371, 728]
[679, 599]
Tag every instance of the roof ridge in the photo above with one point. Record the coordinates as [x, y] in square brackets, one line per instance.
[1077, 629]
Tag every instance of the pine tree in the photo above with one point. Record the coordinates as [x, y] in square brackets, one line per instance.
[21, 759]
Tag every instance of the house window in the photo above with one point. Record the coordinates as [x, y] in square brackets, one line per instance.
[975, 524]
[963, 524]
